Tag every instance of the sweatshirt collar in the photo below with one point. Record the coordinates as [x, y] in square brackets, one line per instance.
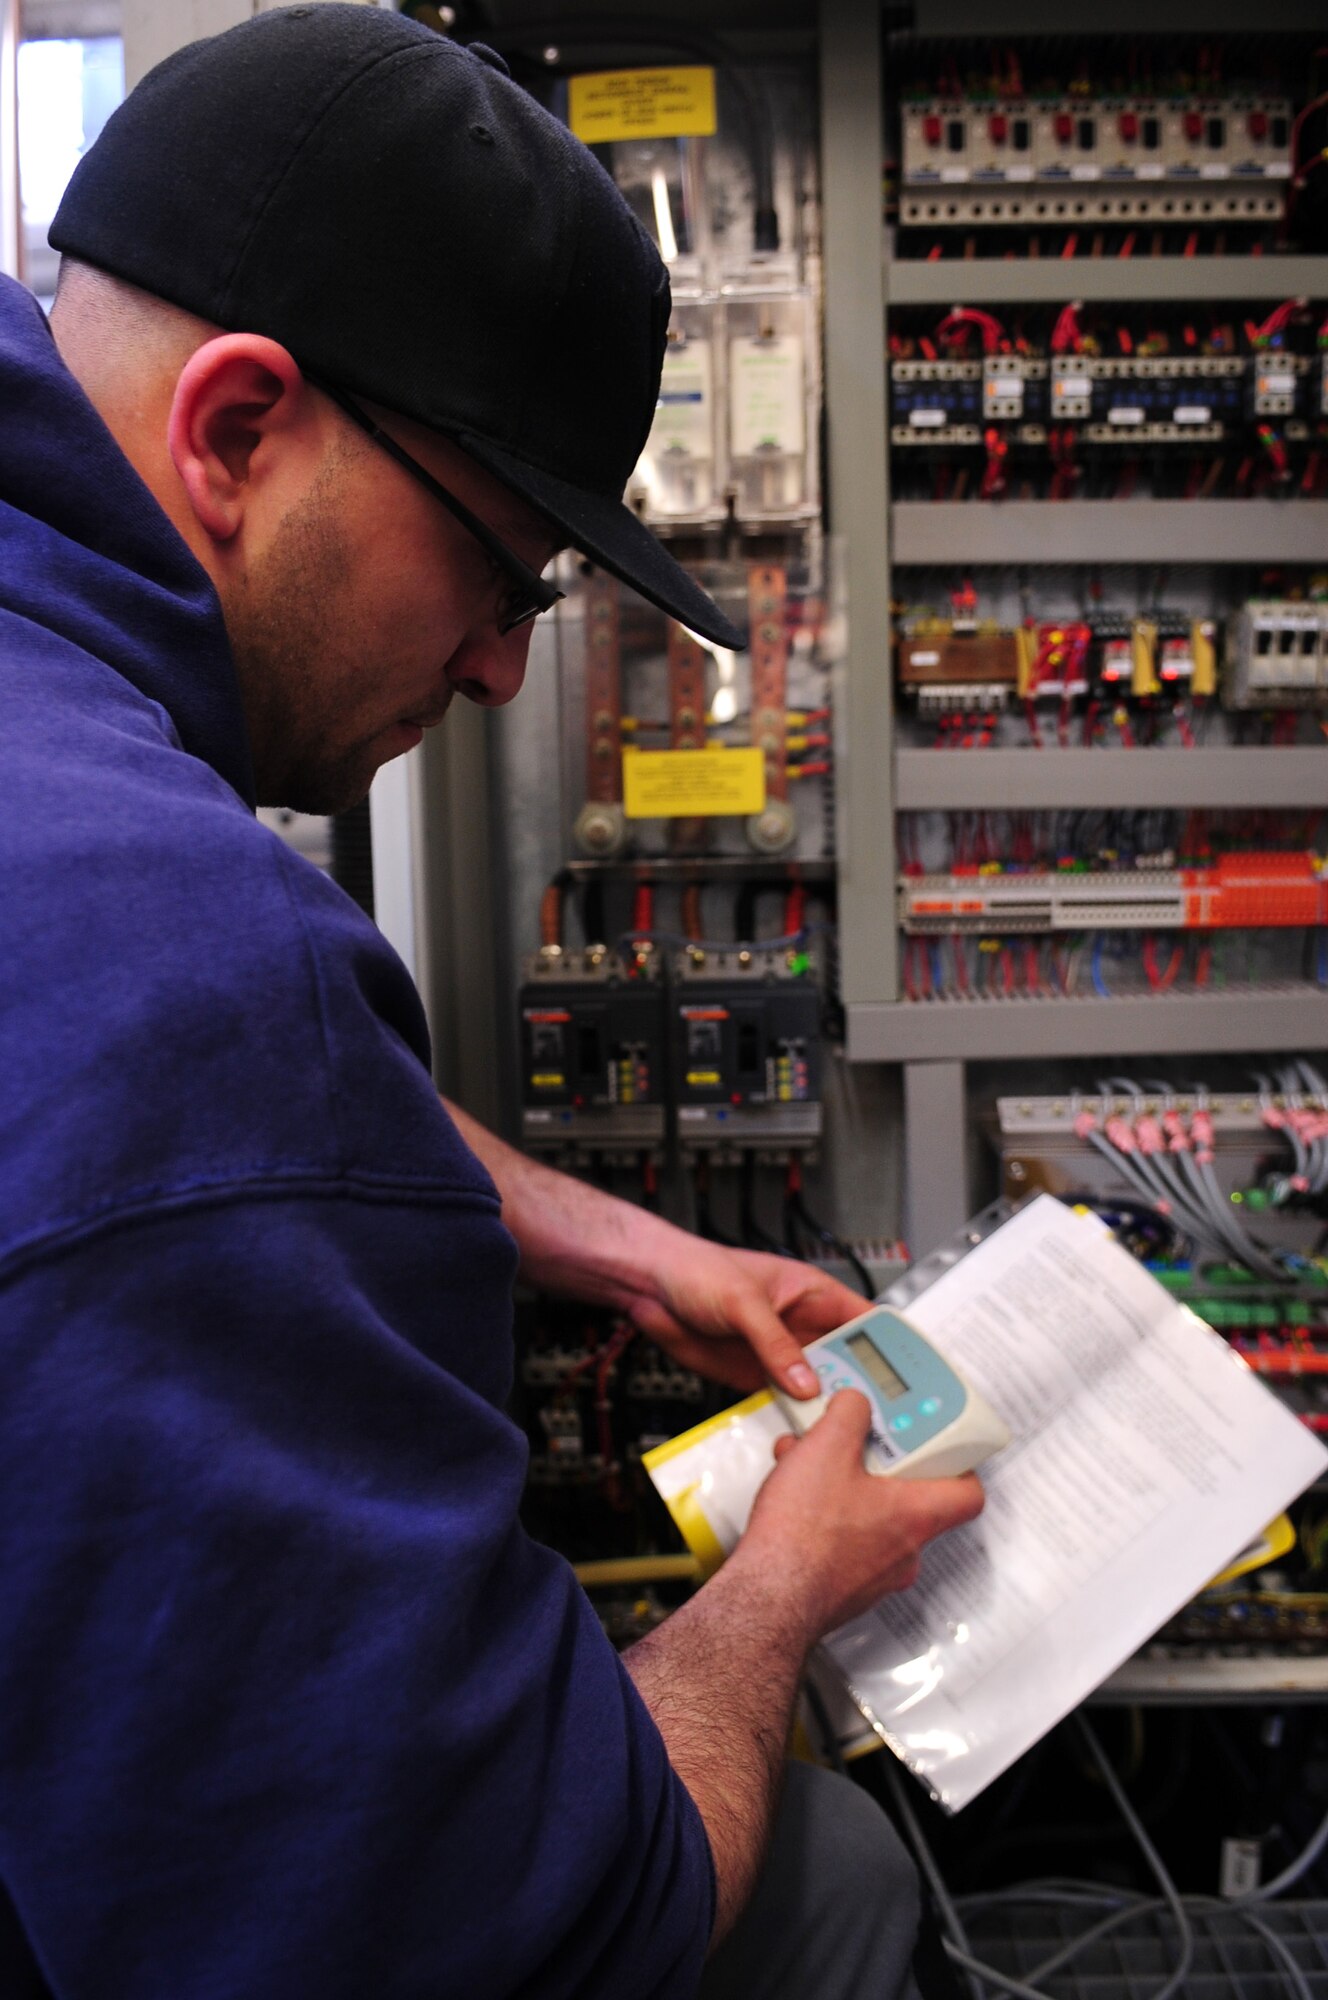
[86, 551]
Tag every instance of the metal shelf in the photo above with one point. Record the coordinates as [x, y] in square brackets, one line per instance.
[1247, 1018]
[1213, 1677]
[1056, 280]
[1018, 532]
[1052, 780]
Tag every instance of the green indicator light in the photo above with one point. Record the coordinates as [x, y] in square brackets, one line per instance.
[799, 962]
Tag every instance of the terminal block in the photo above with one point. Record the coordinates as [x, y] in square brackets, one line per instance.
[1277, 654]
[746, 1057]
[1072, 159]
[593, 1064]
[1239, 891]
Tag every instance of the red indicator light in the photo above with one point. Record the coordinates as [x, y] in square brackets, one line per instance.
[1128, 126]
[1064, 127]
[931, 129]
[998, 125]
[1194, 126]
[1258, 124]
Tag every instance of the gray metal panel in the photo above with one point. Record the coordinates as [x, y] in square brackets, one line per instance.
[936, 1201]
[1019, 281]
[1110, 531]
[856, 482]
[1253, 1018]
[1055, 780]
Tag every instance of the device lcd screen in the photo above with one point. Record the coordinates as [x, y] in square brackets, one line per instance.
[875, 1366]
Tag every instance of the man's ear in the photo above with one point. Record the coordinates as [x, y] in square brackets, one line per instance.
[237, 398]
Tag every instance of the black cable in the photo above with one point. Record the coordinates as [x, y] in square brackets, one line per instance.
[705, 1222]
[754, 1235]
[797, 1211]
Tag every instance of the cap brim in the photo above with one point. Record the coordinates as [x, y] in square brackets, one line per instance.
[612, 536]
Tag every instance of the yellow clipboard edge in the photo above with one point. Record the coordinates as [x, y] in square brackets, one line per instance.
[695, 1529]
[685, 1506]
[1278, 1538]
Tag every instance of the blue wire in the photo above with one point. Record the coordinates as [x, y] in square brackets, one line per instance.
[1321, 961]
[937, 969]
[1100, 986]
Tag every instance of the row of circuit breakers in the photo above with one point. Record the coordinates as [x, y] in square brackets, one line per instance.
[1161, 399]
[728, 1042]
[1071, 159]
[1273, 652]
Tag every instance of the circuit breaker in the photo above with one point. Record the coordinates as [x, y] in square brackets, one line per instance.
[592, 1053]
[746, 1057]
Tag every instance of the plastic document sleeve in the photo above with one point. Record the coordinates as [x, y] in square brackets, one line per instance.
[1146, 1459]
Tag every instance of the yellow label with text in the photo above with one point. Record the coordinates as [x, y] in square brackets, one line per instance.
[642, 104]
[692, 784]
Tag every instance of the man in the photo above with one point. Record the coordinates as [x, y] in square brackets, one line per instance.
[350, 338]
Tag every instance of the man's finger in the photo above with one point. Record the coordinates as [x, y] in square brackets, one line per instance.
[847, 1419]
[946, 1503]
[773, 1344]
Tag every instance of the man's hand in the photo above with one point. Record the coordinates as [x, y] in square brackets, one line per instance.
[738, 1316]
[826, 1540]
[838, 1536]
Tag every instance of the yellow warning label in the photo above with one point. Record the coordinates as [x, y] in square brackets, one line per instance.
[692, 784]
[642, 104]
[700, 1078]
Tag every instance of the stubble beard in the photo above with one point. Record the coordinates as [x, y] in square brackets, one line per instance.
[292, 632]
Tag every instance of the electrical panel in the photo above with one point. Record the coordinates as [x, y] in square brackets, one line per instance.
[1085, 366]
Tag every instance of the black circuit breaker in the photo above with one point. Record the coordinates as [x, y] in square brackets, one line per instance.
[746, 1050]
[593, 1066]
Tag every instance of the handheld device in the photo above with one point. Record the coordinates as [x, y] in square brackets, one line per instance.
[927, 1422]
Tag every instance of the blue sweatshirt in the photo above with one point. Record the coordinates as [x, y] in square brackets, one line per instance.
[289, 1704]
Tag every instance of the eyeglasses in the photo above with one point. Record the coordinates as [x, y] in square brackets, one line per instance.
[529, 593]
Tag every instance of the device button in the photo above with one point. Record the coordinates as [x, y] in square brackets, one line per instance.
[903, 1422]
[928, 1406]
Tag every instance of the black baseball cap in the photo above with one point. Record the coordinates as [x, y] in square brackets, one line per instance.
[414, 228]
